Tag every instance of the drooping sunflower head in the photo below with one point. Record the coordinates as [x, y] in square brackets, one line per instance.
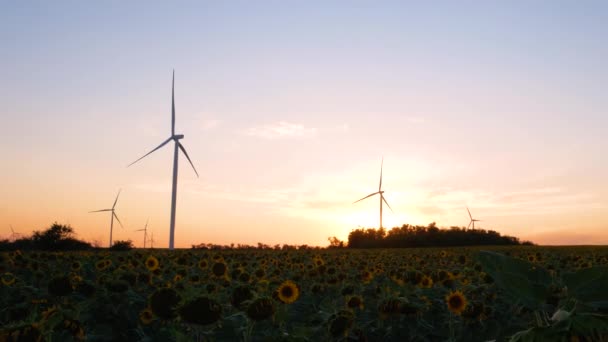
[219, 269]
[163, 302]
[260, 309]
[288, 292]
[202, 311]
[340, 323]
[456, 302]
[152, 263]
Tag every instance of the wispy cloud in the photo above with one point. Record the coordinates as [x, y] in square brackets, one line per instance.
[281, 129]
[209, 124]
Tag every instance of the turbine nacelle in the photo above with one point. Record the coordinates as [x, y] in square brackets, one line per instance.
[177, 136]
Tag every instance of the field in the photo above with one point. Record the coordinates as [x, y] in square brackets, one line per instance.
[459, 294]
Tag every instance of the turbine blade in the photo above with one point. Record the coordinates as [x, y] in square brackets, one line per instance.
[145, 155]
[469, 213]
[173, 104]
[181, 147]
[381, 164]
[470, 223]
[385, 202]
[98, 211]
[139, 230]
[146, 227]
[116, 200]
[116, 216]
[370, 195]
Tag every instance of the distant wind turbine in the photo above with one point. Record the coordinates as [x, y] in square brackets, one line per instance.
[178, 145]
[14, 235]
[145, 230]
[152, 240]
[112, 216]
[472, 219]
[381, 193]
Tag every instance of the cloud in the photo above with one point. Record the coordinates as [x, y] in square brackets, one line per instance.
[281, 129]
[209, 124]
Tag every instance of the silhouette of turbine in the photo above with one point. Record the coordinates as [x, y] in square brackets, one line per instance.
[112, 216]
[178, 146]
[380, 192]
[472, 220]
[145, 230]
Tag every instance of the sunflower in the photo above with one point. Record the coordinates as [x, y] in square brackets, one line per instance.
[260, 309]
[76, 266]
[202, 310]
[219, 269]
[203, 264]
[456, 302]
[426, 282]
[354, 302]
[152, 263]
[288, 292]
[101, 265]
[8, 279]
[146, 316]
[163, 302]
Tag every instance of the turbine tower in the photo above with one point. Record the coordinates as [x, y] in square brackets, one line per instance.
[14, 235]
[178, 146]
[145, 230]
[381, 193]
[111, 216]
[472, 220]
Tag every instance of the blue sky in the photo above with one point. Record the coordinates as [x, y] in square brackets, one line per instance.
[287, 108]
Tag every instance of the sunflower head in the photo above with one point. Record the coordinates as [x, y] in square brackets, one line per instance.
[354, 302]
[288, 292]
[163, 302]
[8, 279]
[219, 269]
[426, 282]
[340, 323]
[456, 302]
[260, 309]
[202, 311]
[241, 294]
[146, 316]
[152, 263]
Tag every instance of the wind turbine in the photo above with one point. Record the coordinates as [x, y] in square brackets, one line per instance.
[145, 230]
[381, 193]
[14, 235]
[472, 220]
[178, 145]
[152, 240]
[112, 216]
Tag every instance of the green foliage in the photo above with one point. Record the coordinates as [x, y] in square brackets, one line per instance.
[522, 280]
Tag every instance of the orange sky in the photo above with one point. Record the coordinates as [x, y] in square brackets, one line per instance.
[288, 111]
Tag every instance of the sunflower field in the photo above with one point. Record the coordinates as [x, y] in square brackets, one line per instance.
[451, 294]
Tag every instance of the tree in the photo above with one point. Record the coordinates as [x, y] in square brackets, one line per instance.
[121, 245]
[334, 242]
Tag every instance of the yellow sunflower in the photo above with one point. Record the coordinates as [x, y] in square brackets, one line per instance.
[456, 302]
[152, 263]
[146, 316]
[426, 282]
[288, 292]
[8, 279]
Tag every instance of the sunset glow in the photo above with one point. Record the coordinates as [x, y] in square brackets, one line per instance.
[287, 110]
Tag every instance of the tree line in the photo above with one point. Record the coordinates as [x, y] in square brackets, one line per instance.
[427, 236]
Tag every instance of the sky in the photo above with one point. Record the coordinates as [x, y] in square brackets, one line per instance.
[288, 108]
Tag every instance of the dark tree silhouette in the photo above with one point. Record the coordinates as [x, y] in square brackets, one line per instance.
[429, 236]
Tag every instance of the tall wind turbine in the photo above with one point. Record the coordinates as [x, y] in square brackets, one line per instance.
[111, 216]
[472, 219]
[381, 193]
[145, 230]
[152, 240]
[178, 145]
